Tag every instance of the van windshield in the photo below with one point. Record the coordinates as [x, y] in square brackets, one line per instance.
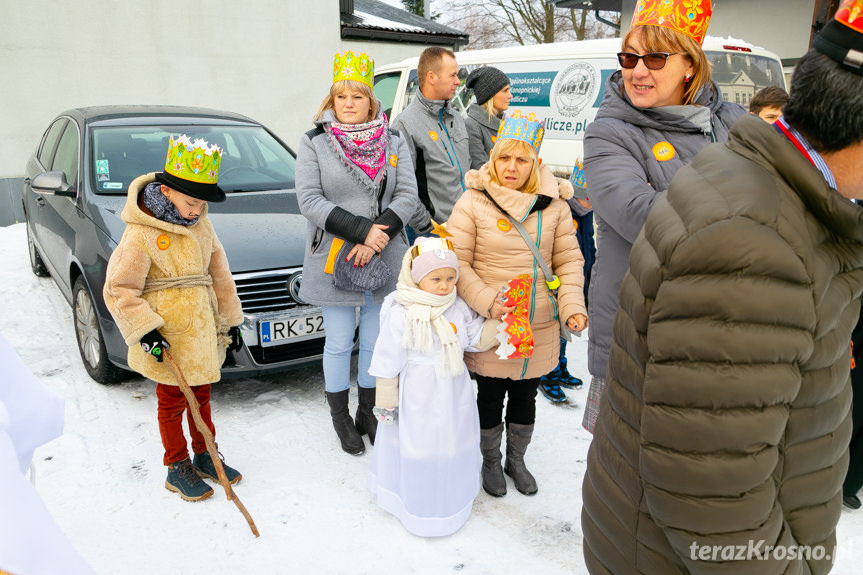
[740, 75]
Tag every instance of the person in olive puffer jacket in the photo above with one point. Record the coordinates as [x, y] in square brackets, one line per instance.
[722, 439]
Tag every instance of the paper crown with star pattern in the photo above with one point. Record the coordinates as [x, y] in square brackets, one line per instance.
[193, 168]
[349, 66]
[842, 38]
[525, 128]
[689, 17]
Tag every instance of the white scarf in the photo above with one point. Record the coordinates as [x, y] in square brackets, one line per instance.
[424, 311]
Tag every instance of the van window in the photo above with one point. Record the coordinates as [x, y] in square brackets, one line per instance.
[385, 89]
[412, 87]
[740, 75]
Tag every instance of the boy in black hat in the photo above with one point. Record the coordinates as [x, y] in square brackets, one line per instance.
[168, 286]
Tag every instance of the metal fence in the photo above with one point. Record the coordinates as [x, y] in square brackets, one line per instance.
[11, 210]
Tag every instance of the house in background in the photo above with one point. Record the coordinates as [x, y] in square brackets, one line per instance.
[270, 60]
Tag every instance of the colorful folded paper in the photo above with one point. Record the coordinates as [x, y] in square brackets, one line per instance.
[514, 333]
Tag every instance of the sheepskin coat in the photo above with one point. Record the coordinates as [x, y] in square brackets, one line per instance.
[491, 252]
[194, 320]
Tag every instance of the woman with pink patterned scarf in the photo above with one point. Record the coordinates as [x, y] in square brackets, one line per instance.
[357, 189]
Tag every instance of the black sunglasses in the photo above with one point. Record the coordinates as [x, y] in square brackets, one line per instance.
[653, 60]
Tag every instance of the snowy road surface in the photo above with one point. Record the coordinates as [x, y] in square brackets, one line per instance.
[103, 480]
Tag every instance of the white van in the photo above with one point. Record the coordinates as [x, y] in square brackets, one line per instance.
[563, 84]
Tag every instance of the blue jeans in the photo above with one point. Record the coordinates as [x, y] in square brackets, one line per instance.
[339, 324]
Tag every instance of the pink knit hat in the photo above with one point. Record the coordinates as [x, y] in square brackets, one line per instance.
[430, 254]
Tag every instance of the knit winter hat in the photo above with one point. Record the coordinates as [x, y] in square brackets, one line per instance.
[486, 82]
[430, 254]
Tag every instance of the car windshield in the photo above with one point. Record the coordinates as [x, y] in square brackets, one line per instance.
[740, 74]
[252, 159]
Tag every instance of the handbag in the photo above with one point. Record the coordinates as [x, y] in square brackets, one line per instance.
[551, 280]
[370, 277]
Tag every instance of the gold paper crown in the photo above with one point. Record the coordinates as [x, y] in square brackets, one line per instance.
[689, 17]
[431, 245]
[193, 161]
[349, 66]
[577, 178]
[525, 128]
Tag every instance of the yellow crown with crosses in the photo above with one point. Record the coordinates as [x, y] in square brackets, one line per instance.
[688, 17]
[193, 161]
[525, 128]
[349, 66]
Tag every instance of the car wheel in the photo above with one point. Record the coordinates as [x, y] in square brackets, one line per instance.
[89, 336]
[36, 263]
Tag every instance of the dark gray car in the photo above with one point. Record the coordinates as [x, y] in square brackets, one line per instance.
[76, 186]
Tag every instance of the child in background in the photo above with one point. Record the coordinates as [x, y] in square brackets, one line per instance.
[425, 465]
[768, 102]
[168, 286]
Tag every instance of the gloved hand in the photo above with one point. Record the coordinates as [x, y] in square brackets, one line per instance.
[236, 339]
[154, 344]
[386, 414]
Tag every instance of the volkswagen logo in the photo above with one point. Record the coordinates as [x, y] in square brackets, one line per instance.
[293, 285]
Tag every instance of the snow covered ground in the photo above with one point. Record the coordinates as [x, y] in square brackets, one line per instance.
[103, 480]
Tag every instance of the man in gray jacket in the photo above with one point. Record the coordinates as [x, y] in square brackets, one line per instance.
[437, 138]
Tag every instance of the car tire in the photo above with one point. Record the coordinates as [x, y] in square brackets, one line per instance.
[36, 263]
[88, 334]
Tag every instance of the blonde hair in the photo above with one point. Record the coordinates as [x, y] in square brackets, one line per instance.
[343, 86]
[488, 105]
[507, 146]
[660, 39]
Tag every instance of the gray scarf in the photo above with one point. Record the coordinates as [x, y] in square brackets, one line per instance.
[162, 207]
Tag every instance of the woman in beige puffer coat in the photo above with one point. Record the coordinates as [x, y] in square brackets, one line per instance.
[491, 252]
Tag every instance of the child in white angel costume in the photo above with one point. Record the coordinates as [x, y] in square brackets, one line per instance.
[425, 466]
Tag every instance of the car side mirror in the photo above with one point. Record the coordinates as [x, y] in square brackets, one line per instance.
[53, 183]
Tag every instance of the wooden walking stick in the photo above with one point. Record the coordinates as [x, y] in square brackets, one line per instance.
[208, 438]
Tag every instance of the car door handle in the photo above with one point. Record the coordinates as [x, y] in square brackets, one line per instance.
[40, 200]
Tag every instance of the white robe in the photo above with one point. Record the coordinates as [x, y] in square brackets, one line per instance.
[425, 468]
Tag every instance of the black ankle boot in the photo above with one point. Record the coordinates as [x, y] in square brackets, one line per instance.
[351, 440]
[367, 423]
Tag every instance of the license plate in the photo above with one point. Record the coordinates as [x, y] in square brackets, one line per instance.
[278, 331]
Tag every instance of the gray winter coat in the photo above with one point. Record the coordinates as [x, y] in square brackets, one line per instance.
[339, 200]
[438, 144]
[624, 177]
[480, 131]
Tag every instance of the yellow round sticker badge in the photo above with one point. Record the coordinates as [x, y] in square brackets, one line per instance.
[394, 160]
[454, 328]
[433, 135]
[503, 225]
[663, 151]
[163, 242]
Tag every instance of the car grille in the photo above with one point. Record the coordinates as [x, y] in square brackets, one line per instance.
[262, 292]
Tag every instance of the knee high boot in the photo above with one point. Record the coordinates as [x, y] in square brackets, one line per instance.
[493, 481]
[517, 439]
[367, 423]
[351, 440]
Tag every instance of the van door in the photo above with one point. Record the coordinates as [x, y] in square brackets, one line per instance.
[386, 89]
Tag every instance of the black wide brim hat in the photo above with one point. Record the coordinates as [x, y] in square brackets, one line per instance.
[198, 190]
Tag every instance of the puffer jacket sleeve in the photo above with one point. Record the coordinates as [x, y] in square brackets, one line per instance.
[124, 281]
[462, 225]
[230, 308]
[708, 318]
[619, 190]
[567, 263]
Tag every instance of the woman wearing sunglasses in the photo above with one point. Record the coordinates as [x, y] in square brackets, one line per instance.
[657, 113]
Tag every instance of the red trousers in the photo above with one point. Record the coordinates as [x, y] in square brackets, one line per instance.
[172, 404]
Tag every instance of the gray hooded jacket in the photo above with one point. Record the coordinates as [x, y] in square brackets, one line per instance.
[630, 156]
[340, 200]
[438, 144]
[480, 131]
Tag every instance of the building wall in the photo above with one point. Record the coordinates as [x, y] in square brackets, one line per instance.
[781, 26]
[268, 59]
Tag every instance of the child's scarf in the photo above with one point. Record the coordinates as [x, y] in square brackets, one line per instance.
[363, 144]
[424, 312]
[162, 208]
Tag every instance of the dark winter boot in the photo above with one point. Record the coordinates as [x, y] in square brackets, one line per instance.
[493, 481]
[351, 440]
[183, 479]
[367, 423]
[205, 467]
[517, 439]
[566, 379]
